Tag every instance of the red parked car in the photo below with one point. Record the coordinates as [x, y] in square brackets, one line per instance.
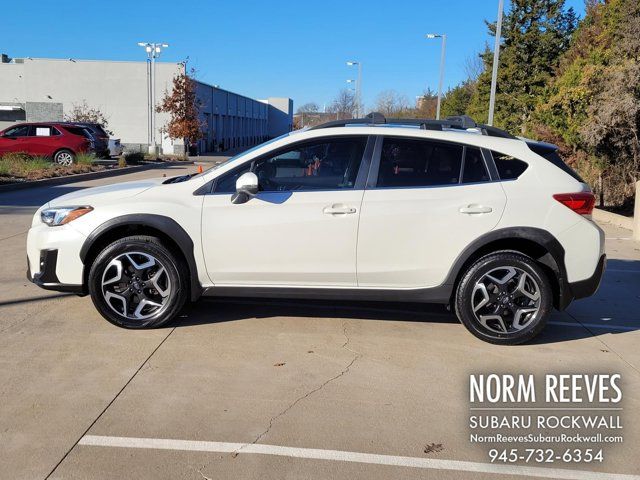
[59, 141]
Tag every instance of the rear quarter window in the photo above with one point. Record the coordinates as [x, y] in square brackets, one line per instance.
[78, 131]
[509, 168]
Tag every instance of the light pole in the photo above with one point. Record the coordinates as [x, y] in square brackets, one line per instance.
[443, 36]
[496, 57]
[352, 63]
[153, 51]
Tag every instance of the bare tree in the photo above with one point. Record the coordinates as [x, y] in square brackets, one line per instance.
[392, 104]
[82, 112]
[310, 107]
[344, 105]
[473, 66]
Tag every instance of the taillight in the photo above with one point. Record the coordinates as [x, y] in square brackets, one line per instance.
[582, 203]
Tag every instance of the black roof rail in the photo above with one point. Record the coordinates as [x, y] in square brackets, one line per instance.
[462, 122]
[495, 132]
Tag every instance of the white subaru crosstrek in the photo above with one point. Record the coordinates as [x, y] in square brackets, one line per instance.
[396, 210]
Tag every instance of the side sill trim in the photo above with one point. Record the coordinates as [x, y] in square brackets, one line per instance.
[440, 294]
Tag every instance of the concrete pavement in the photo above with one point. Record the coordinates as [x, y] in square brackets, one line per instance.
[383, 379]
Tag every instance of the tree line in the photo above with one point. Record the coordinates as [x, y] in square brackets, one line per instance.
[572, 82]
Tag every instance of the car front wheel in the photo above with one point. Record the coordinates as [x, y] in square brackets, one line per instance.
[136, 282]
[504, 298]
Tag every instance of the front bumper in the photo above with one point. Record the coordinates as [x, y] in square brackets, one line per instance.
[53, 257]
[46, 278]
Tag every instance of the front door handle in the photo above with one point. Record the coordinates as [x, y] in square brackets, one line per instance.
[475, 209]
[338, 209]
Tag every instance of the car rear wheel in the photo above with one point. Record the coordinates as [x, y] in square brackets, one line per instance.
[504, 298]
[136, 282]
[64, 157]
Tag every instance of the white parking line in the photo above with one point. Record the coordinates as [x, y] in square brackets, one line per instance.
[342, 456]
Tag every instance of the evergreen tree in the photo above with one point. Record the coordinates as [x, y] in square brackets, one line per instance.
[456, 100]
[592, 106]
[535, 35]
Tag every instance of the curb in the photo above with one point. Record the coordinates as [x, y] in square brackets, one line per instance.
[81, 177]
[613, 218]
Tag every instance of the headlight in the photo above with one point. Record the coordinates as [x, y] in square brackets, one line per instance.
[62, 215]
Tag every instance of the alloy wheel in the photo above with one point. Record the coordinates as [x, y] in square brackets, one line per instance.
[136, 285]
[64, 158]
[506, 299]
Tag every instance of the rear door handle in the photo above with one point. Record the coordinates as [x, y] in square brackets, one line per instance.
[338, 209]
[475, 209]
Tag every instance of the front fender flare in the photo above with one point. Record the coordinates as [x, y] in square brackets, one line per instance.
[164, 224]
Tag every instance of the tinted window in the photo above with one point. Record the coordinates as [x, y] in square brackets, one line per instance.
[418, 163]
[319, 165]
[19, 131]
[474, 168]
[100, 131]
[508, 166]
[78, 131]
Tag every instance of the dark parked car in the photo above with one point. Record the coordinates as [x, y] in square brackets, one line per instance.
[99, 138]
[56, 140]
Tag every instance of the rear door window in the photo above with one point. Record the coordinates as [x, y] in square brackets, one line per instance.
[475, 170]
[407, 163]
[43, 131]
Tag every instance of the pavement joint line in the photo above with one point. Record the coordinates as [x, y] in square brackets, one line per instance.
[346, 456]
[84, 434]
[599, 338]
[593, 325]
[344, 371]
[12, 236]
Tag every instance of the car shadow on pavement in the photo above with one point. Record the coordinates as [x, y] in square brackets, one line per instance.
[221, 309]
[615, 309]
[16, 301]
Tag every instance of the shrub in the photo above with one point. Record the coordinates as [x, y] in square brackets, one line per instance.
[85, 158]
[20, 164]
[133, 158]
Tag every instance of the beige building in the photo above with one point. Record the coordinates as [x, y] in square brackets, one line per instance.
[38, 89]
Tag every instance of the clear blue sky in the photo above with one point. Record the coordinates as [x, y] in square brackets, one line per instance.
[266, 48]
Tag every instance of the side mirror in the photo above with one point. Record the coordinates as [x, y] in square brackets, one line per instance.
[246, 187]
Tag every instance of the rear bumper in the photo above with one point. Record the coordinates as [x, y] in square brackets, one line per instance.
[589, 286]
[583, 288]
[46, 278]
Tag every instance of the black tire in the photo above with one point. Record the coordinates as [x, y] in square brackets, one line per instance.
[175, 277]
[475, 274]
[64, 157]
